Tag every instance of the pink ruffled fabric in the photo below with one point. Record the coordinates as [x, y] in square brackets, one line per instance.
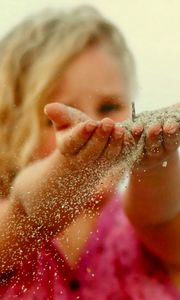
[113, 266]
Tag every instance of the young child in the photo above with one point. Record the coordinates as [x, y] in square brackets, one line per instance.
[63, 233]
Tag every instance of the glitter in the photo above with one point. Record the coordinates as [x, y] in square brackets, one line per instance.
[164, 164]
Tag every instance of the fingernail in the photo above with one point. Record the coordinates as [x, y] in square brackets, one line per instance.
[106, 127]
[172, 130]
[45, 110]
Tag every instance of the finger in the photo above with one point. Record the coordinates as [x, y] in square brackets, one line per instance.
[64, 116]
[98, 141]
[154, 140]
[171, 135]
[128, 140]
[58, 114]
[72, 142]
[114, 145]
[136, 131]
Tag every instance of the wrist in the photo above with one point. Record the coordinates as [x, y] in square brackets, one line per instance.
[154, 194]
[153, 166]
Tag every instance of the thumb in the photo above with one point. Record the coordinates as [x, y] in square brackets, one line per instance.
[64, 116]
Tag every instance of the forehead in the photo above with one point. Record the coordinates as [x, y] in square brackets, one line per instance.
[95, 71]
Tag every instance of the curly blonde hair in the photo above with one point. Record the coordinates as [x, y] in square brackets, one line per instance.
[32, 57]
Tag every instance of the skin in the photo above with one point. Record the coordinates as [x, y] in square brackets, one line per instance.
[101, 94]
[83, 139]
[54, 159]
[104, 100]
[152, 221]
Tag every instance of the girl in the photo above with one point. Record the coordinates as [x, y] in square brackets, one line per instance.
[63, 234]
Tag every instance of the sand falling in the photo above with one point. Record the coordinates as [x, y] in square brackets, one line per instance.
[79, 188]
[134, 152]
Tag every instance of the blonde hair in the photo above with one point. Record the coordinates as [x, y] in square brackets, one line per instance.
[32, 57]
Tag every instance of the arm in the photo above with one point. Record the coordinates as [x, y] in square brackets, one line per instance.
[50, 193]
[42, 200]
[152, 200]
[27, 219]
[16, 236]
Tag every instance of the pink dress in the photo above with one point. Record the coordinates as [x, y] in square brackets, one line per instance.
[114, 265]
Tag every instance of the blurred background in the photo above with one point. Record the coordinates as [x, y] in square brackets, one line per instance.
[152, 30]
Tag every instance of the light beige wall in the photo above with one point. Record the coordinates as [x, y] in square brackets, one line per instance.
[151, 28]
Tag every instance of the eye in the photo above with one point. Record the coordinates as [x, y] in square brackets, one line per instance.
[108, 107]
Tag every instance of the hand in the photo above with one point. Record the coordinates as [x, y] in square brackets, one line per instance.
[161, 136]
[83, 140]
[89, 149]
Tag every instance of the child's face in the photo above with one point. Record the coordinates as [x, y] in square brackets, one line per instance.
[92, 83]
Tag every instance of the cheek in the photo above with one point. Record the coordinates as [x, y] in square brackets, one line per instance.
[121, 115]
[124, 116]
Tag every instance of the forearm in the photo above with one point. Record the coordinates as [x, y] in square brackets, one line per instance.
[153, 195]
[19, 239]
[152, 203]
[46, 192]
[39, 206]
[22, 222]
[45, 198]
